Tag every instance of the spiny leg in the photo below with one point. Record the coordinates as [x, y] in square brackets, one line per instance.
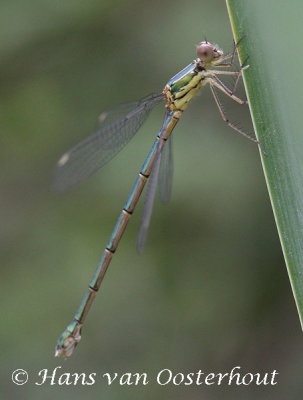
[224, 58]
[215, 81]
[225, 119]
[233, 73]
[230, 64]
[238, 74]
[229, 56]
[238, 78]
[242, 68]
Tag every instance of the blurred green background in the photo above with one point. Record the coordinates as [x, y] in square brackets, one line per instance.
[211, 290]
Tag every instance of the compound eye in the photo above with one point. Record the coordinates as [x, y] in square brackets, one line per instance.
[205, 51]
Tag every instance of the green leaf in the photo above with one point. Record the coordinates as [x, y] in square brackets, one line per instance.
[272, 32]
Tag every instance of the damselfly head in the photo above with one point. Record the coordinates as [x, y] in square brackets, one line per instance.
[208, 52]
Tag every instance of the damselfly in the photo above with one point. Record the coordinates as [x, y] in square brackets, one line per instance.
[97, 149]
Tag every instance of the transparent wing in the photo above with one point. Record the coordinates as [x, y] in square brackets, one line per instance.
[166, 171]
[96, 150]
[148, 204]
